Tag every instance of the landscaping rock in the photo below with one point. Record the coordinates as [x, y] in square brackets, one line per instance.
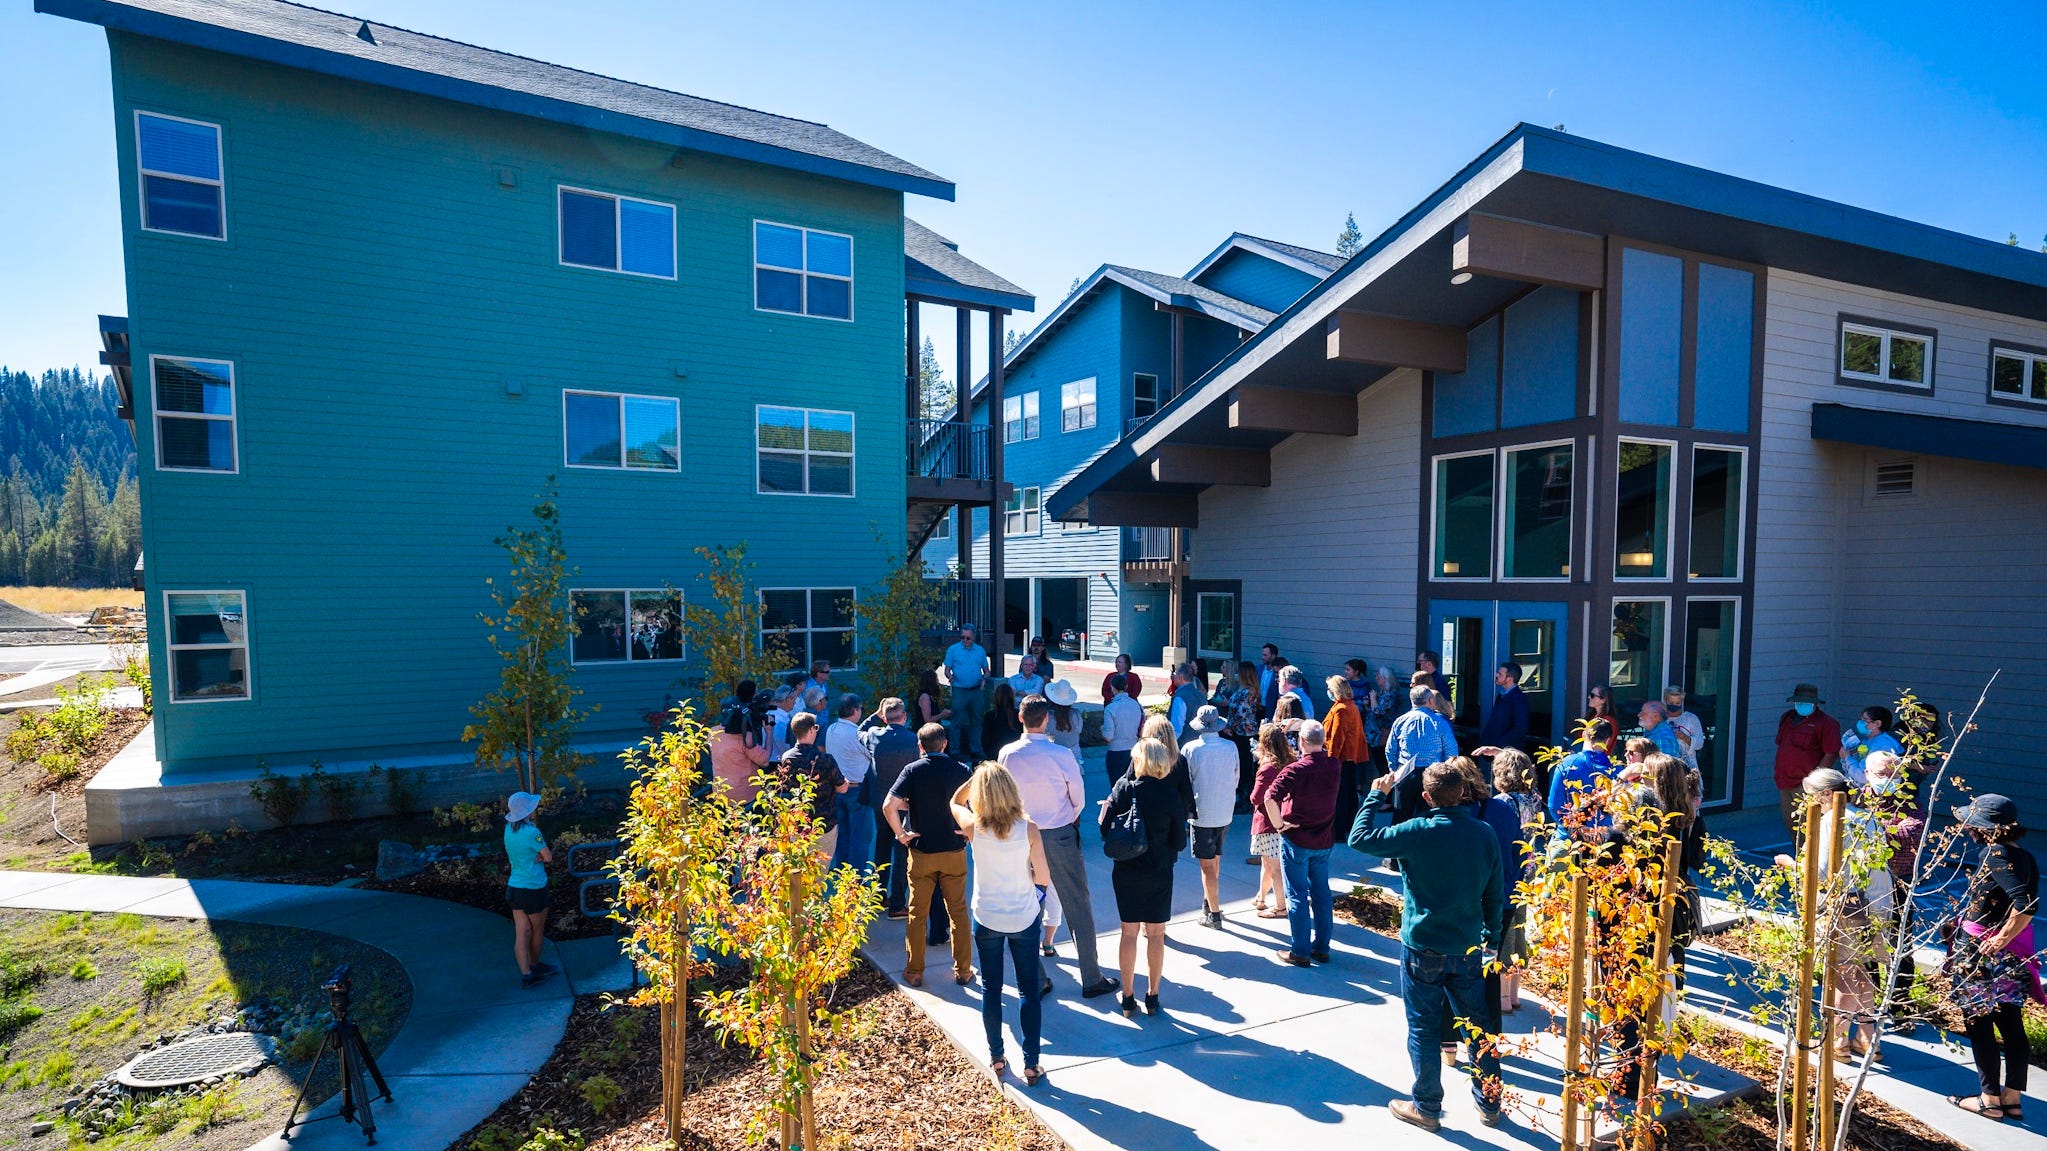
[41, 1127]
[396, 860]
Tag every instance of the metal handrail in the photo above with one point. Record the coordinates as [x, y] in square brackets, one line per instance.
[948, 449]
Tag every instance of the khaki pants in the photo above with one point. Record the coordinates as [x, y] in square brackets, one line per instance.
[941, 872]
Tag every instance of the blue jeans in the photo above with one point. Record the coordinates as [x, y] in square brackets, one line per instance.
[856, 831]
[1117, 763]
[1023, 951]
[1435, 986]
[1308, 900]
[967, 705]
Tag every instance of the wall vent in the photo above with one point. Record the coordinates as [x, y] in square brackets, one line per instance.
[1894, 479]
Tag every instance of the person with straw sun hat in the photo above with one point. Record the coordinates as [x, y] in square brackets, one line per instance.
[526, 890]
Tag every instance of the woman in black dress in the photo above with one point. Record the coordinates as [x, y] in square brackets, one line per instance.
[1144, 884]
[1000, 725]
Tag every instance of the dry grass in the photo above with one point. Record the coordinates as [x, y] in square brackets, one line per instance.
[70, 600]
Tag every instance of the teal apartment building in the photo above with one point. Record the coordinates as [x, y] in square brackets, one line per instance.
[1120, 347]
[383, 287]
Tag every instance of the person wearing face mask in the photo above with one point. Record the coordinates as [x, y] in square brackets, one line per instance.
[1808, 739]
[1871, 734]
[1690, 732]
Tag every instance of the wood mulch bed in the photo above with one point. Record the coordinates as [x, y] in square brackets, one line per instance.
[1373, 908]
[901, 1086]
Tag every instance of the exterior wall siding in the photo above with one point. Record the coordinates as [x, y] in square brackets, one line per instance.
[1256, 280]
[1864, 598]
[382, 296]
[1328, 552]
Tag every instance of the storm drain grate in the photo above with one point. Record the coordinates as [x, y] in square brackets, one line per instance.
[198, 1059]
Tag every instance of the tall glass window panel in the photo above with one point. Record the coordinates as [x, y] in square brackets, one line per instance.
[1462, 646]
[1642, 512]
[1144, 395]
[179, 163]
[208, 645]
[195, 414]
[1077, 406]
[651, 433]
[593, 431]
[779, 435]
[1711, 631]
[1717, 503]
[1539, 372]
[600, 627]
[1652, 331]
[654, 624]
[1540, 488]
[1532, 643]
[1468, 401]
[831, 453]
[1724, 357]
[1635, 657]
[1464, 517]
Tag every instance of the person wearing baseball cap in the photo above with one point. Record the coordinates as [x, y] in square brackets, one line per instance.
[1993, 966]
[526, 890]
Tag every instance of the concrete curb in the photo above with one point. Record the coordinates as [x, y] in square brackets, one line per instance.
[472, 1039]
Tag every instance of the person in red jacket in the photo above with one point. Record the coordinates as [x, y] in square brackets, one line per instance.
[1807, 739]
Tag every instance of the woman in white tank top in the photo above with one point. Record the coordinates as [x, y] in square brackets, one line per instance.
[1010, 880]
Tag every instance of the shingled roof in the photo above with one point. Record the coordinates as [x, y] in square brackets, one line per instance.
[933, 267]
[296, 36]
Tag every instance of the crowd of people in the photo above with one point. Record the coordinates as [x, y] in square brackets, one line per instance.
[984, 767]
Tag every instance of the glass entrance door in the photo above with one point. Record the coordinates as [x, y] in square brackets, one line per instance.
[1712, 631]
[1475, 636]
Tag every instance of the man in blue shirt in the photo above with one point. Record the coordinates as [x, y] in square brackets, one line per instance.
[1656, 729]
[1420, 738]
[1269, 663]
[1506, 725]
[1584, 769]
[966, 666]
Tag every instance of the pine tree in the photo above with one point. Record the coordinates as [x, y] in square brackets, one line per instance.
[1350, 240]
[935, 394]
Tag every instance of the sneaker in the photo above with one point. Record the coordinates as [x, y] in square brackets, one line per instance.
[1405, 1111]
[1212, 918]
[1100, 987]
[899, 913]
[1492, 1118]
[1046, 988]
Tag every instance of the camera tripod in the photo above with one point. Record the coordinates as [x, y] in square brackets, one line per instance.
[354, 1057]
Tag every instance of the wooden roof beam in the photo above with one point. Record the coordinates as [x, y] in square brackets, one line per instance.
[1140, 510]
[1289, 410]
[1198, 464]
[1508, 249]
[1370, 338]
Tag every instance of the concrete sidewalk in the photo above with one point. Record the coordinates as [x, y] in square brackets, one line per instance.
[473, 1038]
[1248, 1053]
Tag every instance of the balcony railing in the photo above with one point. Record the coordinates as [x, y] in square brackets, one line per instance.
[1142, 544]
[948, 450]
[964, 601]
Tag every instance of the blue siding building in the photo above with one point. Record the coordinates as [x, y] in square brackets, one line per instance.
[383, 286]
[1116, 350]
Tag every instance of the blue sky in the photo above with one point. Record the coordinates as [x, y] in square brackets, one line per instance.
[1142, 134]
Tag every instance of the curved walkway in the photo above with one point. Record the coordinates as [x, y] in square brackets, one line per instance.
[473, 1037]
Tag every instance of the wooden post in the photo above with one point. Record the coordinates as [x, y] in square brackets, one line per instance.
[1823, 1102]
[1574, 1019]
[1647, 1104]
[1801, 1036]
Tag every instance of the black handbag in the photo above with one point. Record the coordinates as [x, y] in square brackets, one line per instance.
[1125, 837]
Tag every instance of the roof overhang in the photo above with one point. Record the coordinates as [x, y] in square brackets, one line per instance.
[2014, 445]
[114, 356]
[935, 271]
[1239, 242]
[233, 41]
[1550, 190]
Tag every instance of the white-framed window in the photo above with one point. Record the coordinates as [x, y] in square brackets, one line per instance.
[1144, 395]
[942, 530]
[1882, 355]
[208, 641]
[616, 430]
[1462, 516]
[1021, 513]
[1645, 494]
[816, 623]
[1719, 517]
[1077, 405]
[1538, 510]
[1215, 625]
[616, 233]
[195, 414]
[619, 625]
[2018, 375]
[1020, 418]
[802, 451]
[184, 189]
[802, 271]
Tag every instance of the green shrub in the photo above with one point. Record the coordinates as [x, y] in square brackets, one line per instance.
[214, 1108]
[401, 787]
[303, 1045]
[16, 1014]
[160, 975]
[340, 793]
[56, 1070]
[84, 970]
[280, 796]
[601, 1091]
[549, 1139]
[18, 974]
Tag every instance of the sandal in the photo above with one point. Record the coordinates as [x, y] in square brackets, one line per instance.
[1979, 1107]
[2014, 1110]
[996, 1067]
[1032, 1075]
[1258, 904]
[1273, 913]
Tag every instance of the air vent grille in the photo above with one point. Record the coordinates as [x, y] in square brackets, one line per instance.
[1895, 479]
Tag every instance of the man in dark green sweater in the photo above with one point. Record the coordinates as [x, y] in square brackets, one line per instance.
[1455, 906]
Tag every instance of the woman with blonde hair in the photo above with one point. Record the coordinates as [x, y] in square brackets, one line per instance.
[1272, 753]
[1160, 728]
[1010, 877]
[1144, 883]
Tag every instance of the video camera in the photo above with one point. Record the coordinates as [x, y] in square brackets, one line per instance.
[749, 718]
[338, 988]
